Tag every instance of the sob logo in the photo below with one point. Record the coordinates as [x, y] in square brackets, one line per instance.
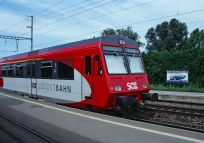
[132, 85]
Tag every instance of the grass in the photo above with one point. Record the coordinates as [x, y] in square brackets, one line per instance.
[176, 87]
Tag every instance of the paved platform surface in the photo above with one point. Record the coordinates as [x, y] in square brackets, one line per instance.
[64, 124]
[190, 97]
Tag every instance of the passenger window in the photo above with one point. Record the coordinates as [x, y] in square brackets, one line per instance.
[66, 69]
[88, 65]
[19, 70]
[46, 69]
[3, 70]
[0, 70]
[33, 69]
[98, 69]
[28, 69]
[10, 70]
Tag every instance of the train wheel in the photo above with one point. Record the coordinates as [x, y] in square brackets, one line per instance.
[127, 113]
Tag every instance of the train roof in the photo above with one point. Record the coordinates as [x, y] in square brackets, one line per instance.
[104, 39]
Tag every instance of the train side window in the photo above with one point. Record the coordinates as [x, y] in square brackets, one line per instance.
[88, 65]
[19, 70]
[46, 69]
[66, 69]
[33, 69]
[98, 69]
[10, 70]
[28, 69]
[3, 70]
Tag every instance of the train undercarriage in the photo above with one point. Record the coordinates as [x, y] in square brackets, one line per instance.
[129, 107]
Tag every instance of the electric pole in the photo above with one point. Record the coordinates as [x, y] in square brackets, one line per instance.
[15, 38]
[31, 27]
[21, 38]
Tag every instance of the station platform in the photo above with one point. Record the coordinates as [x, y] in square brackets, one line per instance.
[188, 97]
[65, 124]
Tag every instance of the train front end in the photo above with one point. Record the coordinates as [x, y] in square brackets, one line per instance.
[126, 77]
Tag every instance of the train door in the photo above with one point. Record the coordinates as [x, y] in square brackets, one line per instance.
[87, 77]
[32, 81]
[97, 77]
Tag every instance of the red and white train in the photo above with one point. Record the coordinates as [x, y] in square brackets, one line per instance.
[100, 74]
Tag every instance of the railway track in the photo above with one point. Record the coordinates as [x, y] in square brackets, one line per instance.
[20, 133]
[185, 118]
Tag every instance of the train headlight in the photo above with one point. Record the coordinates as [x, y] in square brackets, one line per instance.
[121, 42]
[144, 85]
[117, 88]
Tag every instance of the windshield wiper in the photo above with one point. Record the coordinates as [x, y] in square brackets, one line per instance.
[116, 54]
[133, 55]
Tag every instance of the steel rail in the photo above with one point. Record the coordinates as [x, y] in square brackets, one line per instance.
[169, 125]
[181, 102]
[175, 110]
[166, 112]
[28, 129]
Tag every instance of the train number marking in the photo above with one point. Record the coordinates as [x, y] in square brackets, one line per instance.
[132, 85]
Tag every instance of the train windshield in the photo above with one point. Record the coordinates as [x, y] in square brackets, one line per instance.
[121, 60]
[115, 64]
[135, 64]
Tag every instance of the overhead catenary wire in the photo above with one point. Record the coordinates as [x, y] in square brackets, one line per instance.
[186, 23]
[25, 19]
[41, 12]
[10, 44]
[127, 25]
[65, 18]
[13, 25]
[19, 29]
[2, 2]
[25, 49]
[48, 7]
[34, 15]
[69, 11]
[94, 17]
[71, 16]
[75, 14]
[98, 17]
[162, 18]
[101, 31]
[64, 8]
[118, 27]
[98, 30]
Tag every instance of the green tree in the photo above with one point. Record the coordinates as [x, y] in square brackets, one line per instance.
[126, 33]
[166, 36]
[108, 31]
[196, 40]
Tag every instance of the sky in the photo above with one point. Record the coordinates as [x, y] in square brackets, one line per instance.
[63, 21]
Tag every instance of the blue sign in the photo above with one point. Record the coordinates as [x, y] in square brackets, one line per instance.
[180, 77]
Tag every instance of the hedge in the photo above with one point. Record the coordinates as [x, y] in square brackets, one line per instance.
[157, 63]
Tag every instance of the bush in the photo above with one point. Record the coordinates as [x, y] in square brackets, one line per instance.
[157, 63]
